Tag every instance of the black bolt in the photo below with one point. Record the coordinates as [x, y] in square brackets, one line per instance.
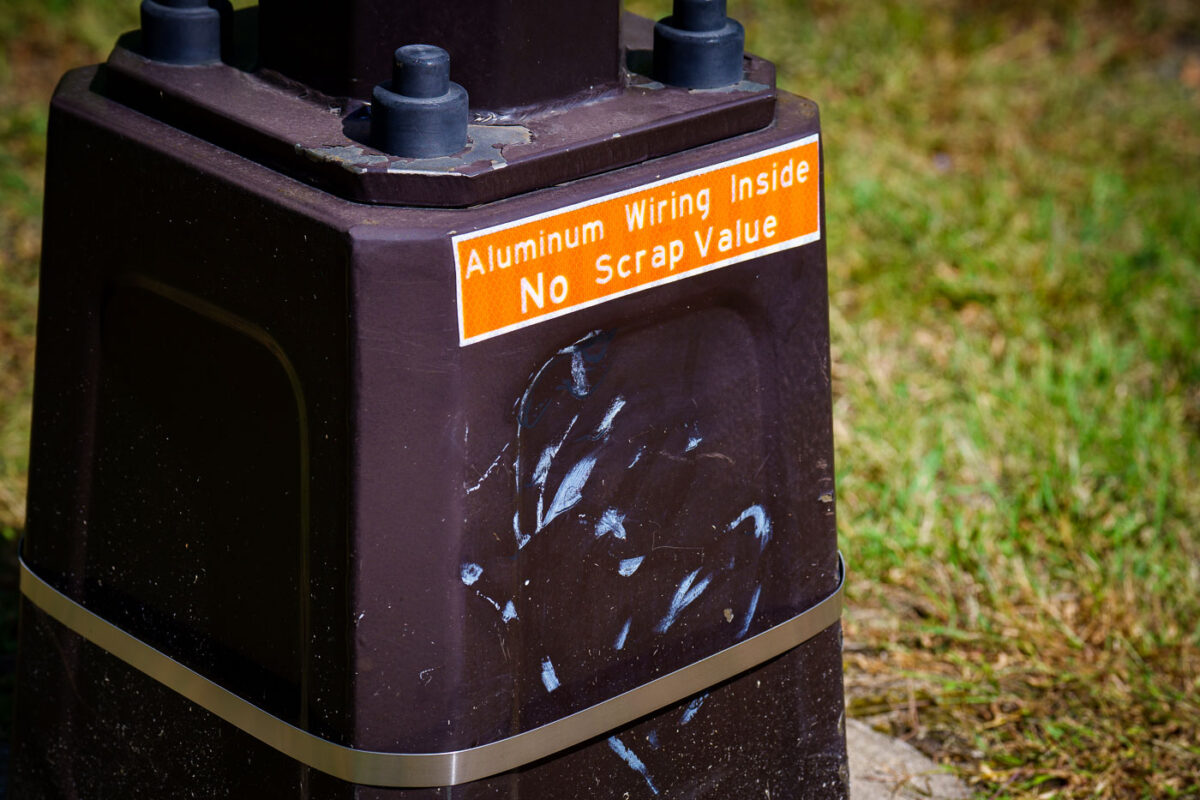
[699, 15]
[182, 31]
[698, 46]
[421, 70]
[420, 113]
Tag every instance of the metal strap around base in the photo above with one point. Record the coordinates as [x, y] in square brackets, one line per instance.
[415, 770]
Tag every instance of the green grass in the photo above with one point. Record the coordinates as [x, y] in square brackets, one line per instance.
[1014, 235]
[38, 41]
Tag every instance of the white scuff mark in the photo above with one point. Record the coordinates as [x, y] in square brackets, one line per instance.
[548, 677]
[493, 603]
[570, 491]
[522, 539]
[487, 472]
[637, 457]
[510, 612]
[360, 616]
[685, 595]
[540, 473]
[693, 443]
[579, 384]
[606, 424]
[619, 644]
[750, 613]
[577, 363]
[630, 758]
[692, 708]
[470, 573]
[611, 521]
[762, 524]
[426, 675]
[628, 566]
[542, 470]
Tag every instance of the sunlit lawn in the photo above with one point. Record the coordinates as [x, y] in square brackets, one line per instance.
[1014, 233]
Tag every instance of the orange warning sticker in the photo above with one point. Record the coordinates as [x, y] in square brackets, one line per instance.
[540, 267]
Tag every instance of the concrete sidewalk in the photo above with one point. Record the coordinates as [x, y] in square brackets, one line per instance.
[882, 768]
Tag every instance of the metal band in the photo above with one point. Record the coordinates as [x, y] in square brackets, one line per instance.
[414, 770]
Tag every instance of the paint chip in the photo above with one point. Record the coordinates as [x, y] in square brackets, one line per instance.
[619, 644]
[685, 595]
[630, 758]
[522, 538]
[470, 573]
[612, 521]
[690, 712]
[750, 613]
[762, 524]
[628, 566]
[570, 491]
[487, 472]
[510, 612]
[606, 424]
[548, 677]
[579, 381]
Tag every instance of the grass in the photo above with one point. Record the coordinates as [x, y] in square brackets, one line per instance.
[1014, 234]
[1014, 237]
[38, 42]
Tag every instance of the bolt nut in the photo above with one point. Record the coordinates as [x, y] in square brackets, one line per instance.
[420, 113]
[698, 46]
[184, 32]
